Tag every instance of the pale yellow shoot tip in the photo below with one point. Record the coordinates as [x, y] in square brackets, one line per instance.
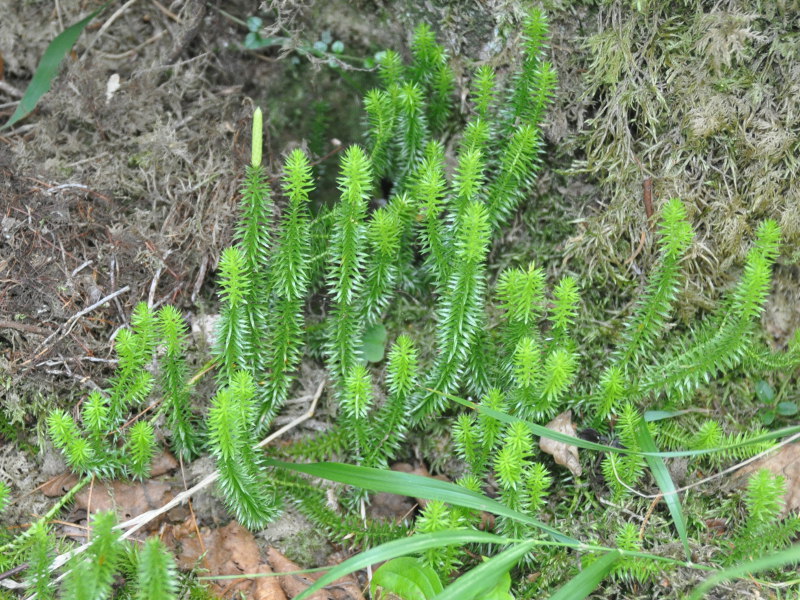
[257, 135]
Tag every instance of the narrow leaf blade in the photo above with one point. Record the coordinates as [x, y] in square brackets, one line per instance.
[665, 484]
[403, 547]
[48, 67]
[542, 431]
[773, 561]
[585, 582]
[406, 484]
[485, 576]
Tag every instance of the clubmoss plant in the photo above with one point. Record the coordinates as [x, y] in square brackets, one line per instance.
[763, 530]
[106, 445]
[508, 343]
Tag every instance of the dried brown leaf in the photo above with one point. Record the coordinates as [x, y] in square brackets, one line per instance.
[229, 550]
[293, 584]
[565, 455]
[344, 588]
[128, 499]
[59, 485]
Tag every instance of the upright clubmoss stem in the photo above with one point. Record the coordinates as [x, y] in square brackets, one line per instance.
[258, 121]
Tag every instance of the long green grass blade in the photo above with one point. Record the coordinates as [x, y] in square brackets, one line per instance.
[406, 484]
[772, 561]
[665, 484]
[48, 67]
[541, 431]
[485, 576]
[404, 547]
[585, 582]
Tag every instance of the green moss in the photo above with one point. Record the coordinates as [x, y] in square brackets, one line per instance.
[306, 547]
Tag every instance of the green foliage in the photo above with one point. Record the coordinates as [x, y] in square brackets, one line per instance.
[347, 257]
[430, 69]
[157, 576]
[348, 529]
[91, 575]
[106, 444]
[356, 403]
[632, 569]
[5, 493]
[460, 314]
[40, 558]
[176, 405]
[763, 531]
[94, 574]
[438, 516]
[242, 479]
[406, 577]
[381, 115]
[622, 473]
[390, 421]
[141, 448]
[428, 187]
[522, 355]
[232, 339]
[48, 67]
[384, 235]
[289, 282]
[721, 342]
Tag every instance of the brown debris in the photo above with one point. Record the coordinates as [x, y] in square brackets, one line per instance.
[344, 588]
[59, 485]
[162, 464]
[564, 454]
[229, 550]
[128, 499]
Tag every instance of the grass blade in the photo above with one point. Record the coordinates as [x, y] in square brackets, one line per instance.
[665, 484]
[585, 582]
[48, 67]
[484, 577]
[403, 547]
[406, 484]
[772, 561]
[542, 431]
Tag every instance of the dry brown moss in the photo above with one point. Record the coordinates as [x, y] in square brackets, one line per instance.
[704, 98]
